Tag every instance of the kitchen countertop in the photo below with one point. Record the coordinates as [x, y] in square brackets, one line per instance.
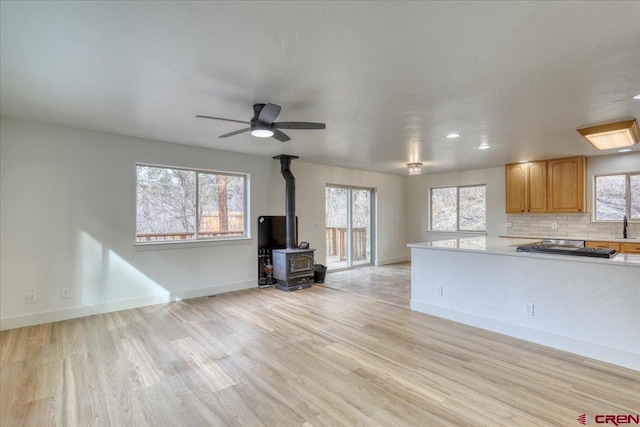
[587, 239]
[507, 246]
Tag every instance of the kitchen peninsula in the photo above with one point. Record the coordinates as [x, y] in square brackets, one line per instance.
[587, 306]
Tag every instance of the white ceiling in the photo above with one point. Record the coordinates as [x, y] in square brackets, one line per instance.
[390, 79]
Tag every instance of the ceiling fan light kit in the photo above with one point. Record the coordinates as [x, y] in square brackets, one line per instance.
[263, 123]
[612, 135]
[261, 130]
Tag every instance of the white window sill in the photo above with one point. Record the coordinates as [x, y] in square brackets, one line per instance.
[188, 244]
[614, 221]
[475, 233]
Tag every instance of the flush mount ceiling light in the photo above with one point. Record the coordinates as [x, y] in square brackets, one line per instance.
[414, 168]
[453, 135]
[483, 147]
[637, 96]
[612, 135]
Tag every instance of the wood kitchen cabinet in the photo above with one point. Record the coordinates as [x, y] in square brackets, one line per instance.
[546, 186]
[565, 191]
[537, 186]
[515, 179]
[630, 248]
[526, 187]
[624, 248]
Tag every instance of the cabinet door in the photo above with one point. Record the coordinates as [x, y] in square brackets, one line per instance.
[536, 187]
[565, 191]
[630, 248]
[515, 179]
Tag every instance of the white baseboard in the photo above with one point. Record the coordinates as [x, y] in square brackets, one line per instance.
[111, 306]
[393, 260]
[582, 348]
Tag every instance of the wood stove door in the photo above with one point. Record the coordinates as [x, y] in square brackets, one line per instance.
[300, 264]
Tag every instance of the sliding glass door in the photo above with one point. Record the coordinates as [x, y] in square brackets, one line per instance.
[349, 226]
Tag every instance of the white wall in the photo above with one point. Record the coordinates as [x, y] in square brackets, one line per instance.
[390, 211]
[67, 220]
[418, 197]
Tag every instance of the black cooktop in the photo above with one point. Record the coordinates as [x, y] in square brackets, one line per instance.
[542, 248]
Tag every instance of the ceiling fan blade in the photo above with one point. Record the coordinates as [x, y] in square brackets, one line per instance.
[280, 136]
[234, 133]
[220, 118]
[269, 113]
[299, 125]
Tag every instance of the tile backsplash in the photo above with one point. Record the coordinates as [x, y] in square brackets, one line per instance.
[568, 225]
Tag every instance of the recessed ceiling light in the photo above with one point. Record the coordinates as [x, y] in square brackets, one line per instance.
[637, 96]
[624, 150]
[453, 135]
[483, 147]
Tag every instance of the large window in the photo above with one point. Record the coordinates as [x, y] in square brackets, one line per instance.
[617, 196]
[181, 204]
[459, 208]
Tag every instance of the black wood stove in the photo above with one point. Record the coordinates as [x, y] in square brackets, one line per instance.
[292, 266]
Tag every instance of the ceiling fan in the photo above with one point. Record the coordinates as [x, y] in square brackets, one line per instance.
[262, 124]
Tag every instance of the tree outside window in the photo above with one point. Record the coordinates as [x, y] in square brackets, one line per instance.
[459, 208]
[617, 196]
[181, 204]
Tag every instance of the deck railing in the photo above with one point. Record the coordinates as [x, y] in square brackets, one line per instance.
[337, 242]
[161, 237]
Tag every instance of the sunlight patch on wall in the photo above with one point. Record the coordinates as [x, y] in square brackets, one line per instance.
[107, 277]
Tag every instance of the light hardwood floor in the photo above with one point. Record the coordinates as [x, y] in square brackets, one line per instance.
[316, 357]
[390, 283]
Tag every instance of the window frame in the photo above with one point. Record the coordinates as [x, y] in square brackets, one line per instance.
[197, 240]
[627, 197]
[457, 230]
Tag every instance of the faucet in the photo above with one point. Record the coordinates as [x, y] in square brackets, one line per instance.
[624, 227]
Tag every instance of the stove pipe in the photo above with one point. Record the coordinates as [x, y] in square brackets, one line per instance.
[290, 199]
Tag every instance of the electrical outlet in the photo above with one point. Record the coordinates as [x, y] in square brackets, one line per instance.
[31, 298]
[439, 290]
[66, 293]
[554, 225]
[509, 224]
[528, 309]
